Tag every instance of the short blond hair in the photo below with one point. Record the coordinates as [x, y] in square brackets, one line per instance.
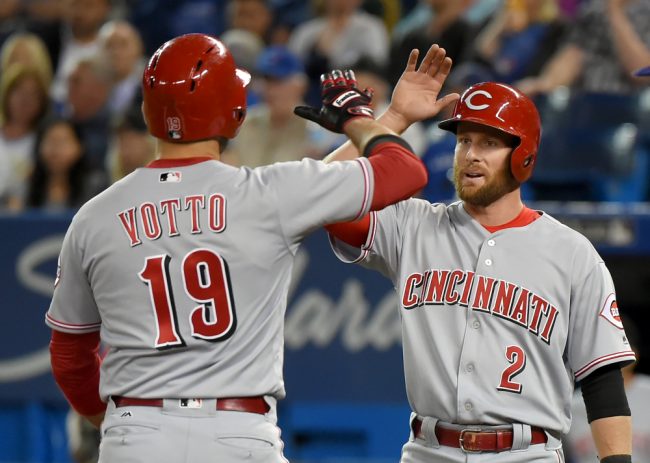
[38, 54]
[11, 77]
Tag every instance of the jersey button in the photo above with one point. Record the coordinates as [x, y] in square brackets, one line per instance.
[488, 262]
[468, 406]
[476, 324]
[491, 242]
[469, 367]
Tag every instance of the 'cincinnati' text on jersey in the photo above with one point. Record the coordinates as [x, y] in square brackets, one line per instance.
[500, 298]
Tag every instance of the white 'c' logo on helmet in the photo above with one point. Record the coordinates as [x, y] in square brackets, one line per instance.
[470, 105]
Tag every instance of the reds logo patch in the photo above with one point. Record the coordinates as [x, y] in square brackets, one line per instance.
[610, 312]
[174, 127]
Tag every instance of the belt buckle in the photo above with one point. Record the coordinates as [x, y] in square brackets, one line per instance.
[463, 442]
[190, 403]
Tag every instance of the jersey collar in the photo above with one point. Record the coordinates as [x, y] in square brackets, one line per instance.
[177, 162]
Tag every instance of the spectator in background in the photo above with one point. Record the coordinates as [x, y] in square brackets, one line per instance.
[122, 45]
[62, 177]
[254, 16]
[74, 38]
[29, 50]
[608, 41]
[579, 444]
[23, 104]
[245, 47]
[133, 146]
[337, 39]
[447, 27]
[89, 89]
[520, 39]
[271, 132]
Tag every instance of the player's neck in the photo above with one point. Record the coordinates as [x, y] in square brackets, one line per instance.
[166, 150]
[501, 211]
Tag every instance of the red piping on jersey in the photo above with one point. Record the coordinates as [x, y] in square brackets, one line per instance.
[70, 326]
[604, 358]
[525, 217]
[75, 366]
[177, 162]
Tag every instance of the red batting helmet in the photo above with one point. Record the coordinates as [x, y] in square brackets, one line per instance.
[193, 91]
[507, 109]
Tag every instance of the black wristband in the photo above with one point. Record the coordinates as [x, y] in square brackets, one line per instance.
[383, 139]
[604, 393]
[617, 459]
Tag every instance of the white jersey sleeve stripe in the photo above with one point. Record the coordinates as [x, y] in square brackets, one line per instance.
[365, 204]
[591, 366]
[87, 327]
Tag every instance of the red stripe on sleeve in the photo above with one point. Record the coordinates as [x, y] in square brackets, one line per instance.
[75, 366]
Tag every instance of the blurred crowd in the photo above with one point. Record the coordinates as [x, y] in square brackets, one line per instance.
[70, 70]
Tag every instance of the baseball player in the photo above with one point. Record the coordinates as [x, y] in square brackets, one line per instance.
[579, 445]
[182, 268]
[503, 308]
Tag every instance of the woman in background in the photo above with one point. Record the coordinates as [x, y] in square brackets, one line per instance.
[23, 104]
[62, 177]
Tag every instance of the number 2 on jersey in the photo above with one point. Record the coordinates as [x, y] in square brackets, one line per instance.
[517, 359]
[206, 281]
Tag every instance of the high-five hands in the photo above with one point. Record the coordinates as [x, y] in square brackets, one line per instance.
[415, 97]
[342, 102]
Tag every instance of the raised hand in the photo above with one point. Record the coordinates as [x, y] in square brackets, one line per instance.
[415, 96]
[342, 101]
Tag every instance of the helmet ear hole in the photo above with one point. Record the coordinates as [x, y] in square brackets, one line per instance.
[239, 114]
[528, 160]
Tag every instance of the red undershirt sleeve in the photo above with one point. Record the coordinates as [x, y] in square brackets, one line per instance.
[398, 175]
[75, 365]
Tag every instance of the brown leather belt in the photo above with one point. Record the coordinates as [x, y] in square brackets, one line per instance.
[470, 441]
[234, 404]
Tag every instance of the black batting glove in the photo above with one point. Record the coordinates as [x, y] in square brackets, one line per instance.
[342, 101]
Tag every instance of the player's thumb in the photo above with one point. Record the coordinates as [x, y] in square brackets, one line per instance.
[307, 112]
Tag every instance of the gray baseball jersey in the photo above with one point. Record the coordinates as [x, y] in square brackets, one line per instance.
[496, 326]
[185, 269]
[579, 441]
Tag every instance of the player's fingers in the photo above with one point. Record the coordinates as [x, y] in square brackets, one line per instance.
[448, 99]
[428, 58]
[350, 78]
[445, 67]
[412, 61]
[326, 80]
[338, 78]
[437, 61]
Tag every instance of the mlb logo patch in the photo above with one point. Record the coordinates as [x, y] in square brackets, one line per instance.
[173, 176]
